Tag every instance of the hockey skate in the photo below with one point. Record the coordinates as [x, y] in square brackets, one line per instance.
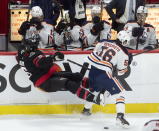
[121, 121]
[86, 112]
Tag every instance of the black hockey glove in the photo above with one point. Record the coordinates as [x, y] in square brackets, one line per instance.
[97, 28]
[137, 31]
[36, 22]
[61, 26]
[58, 56]
[24, 27]
[96, 19]
[130, 58]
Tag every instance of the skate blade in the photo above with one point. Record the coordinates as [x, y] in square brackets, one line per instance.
[125, 126]
[86, 114]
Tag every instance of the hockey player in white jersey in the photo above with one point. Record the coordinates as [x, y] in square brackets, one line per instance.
[143, 35]
[37, 27]
[68, 32]
[89, 34]
[106, 55]
[97, 29]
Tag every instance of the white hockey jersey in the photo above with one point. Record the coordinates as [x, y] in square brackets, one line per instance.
[104, 34]
[81, 36]
[108, 54]
[147, 39]
[46, 35]
[72, 35]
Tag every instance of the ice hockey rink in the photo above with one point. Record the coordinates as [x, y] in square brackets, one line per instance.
[75, 122]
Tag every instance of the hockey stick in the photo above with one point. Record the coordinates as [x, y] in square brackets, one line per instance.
[145, 51]
[101, 16]
[83, 66]
[29, 8]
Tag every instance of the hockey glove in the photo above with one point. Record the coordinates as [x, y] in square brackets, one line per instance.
[36, 22]
[58, 56]
[96, 19]
[61, 26]
[97, 28]
[24, 27]
[137, 31]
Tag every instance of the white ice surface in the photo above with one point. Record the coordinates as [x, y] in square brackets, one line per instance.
[96, 122]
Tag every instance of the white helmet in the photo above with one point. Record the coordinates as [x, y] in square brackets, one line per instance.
[142, 9]
[124, 37]
[107, 1]
[36, 11]
[95, 10]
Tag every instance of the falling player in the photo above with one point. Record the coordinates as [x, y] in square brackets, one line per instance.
[46, 75]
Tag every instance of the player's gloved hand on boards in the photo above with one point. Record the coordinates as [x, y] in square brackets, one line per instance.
[24, 27]
[58, 56]
[97, 28]
[61, 26]
[137, 31]
[36, 22]
[130, 58]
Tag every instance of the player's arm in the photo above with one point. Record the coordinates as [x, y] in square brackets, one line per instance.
[152, 38]
[41, 61]
[122, 64]
[24, 27]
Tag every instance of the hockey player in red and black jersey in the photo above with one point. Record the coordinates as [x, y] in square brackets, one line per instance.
[48, 76]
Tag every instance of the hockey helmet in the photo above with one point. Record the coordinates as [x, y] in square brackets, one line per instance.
[124, 37]
[96, 11]
[142, 9]
[141, 15]
[96, 14]
[36, 11]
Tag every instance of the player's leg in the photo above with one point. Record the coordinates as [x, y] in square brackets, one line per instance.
[118, 93]
[88, 105]
[76, 88]
[92, 84]
[59, 83]
[120, 109]
[87, 108]
[100, 81]
[113, 86]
